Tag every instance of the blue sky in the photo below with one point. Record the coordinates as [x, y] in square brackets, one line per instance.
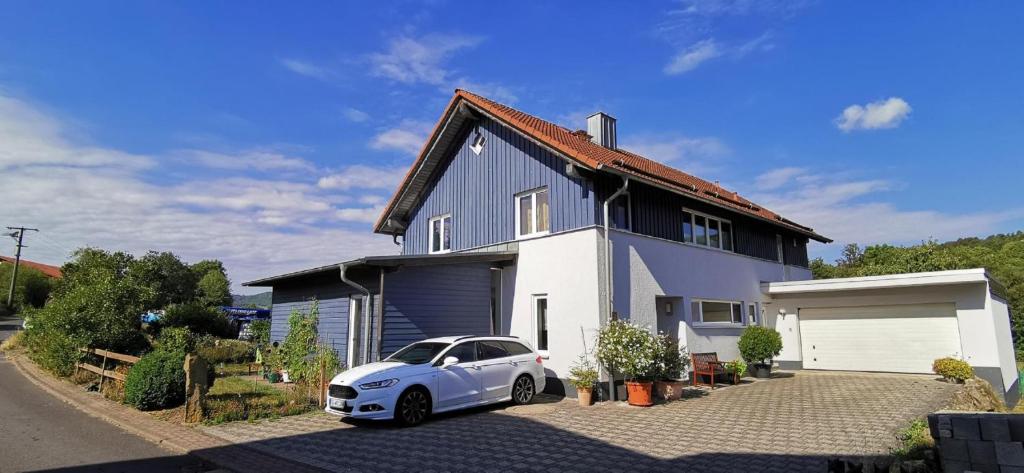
[269, 134]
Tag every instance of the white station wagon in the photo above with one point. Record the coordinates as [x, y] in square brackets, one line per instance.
[438, 375]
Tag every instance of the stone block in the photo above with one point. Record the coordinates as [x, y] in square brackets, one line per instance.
[953, 449]
[981, 452]
[995, 427]
[1011, 469]
[1009, 453]
[954, 466]
[966, 428]
[1016, 427]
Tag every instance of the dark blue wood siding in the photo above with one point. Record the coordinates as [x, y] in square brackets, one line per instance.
[478, 191]
[433, 301]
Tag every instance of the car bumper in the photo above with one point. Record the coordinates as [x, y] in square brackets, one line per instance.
[541, 382]
[376, 407]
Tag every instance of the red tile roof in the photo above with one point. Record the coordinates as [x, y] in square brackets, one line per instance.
[578, 147]
[51, 271]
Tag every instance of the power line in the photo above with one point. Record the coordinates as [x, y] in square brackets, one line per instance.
[19, 236]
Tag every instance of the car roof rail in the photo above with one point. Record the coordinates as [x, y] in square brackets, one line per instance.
[484, 336]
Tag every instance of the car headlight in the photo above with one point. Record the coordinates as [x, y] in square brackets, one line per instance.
[386, 383]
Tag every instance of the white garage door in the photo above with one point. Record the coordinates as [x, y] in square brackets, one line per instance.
[897, 338]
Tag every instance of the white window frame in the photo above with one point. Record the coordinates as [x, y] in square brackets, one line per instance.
[430, 234]
[533, 202]
[536, 327]
[753, 316]
[707, 234]
[697, 319]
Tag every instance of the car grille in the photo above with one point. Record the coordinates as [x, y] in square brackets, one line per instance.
[342, 392]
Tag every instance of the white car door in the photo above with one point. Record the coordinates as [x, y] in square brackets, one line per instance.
[497, 368]
[459, 384]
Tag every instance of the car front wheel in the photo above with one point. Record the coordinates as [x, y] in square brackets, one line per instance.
[413, 407]
[523, 390]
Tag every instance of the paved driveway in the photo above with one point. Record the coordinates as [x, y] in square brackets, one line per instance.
[786, 424]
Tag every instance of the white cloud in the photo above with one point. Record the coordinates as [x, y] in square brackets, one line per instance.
[689, 58]
[694, 155]
[363, 177]
[363, 215]
[419, 60]
[356, 115]
[777, 178]
[307, 69]
[88, 195]
[491, 90]
[248, 160]
[408, 137]
[882, 114]
[855, 211]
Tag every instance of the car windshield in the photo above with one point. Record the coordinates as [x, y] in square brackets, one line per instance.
[418, 353]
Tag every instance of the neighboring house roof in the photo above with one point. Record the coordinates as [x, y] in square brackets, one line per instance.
[579, 148]
[51, 271]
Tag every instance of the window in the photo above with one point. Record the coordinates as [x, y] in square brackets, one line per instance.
[620, 213]
[515, 348]
[706, 230]
[478, 143]
[718, 312]
[418, 353]
[489, 350]
[532, 217]
[465, 352]
[540, 316]
[752, 314]
[441, 234]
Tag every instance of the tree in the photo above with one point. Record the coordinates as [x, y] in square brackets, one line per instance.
[167, 278]
[31, 289]
[214, 287]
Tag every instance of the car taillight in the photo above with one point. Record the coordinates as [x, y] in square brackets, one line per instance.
[539, 360]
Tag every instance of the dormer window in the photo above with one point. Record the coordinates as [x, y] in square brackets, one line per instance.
[441, 234]
[478, 143]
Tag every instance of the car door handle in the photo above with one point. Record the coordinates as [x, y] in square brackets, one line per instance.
[476, 367]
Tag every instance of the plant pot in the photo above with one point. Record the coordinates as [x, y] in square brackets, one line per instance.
[640, 393]
[762, 371]
[274, 378]
[669, 390]
[284, 377]
[585, 396]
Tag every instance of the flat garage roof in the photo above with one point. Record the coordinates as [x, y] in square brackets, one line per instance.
[889, 281]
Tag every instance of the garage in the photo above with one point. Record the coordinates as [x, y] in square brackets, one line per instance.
[891, 338]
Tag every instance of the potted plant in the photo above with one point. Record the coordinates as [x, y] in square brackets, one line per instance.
[583, 377]
[758, 345]
[671, 363]
[736, 368]
[631, 351]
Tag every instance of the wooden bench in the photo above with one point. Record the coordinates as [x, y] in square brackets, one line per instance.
[707, 364]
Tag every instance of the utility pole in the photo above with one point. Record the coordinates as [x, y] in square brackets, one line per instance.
[18, 234]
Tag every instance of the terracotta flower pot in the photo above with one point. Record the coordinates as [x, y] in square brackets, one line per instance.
[585, 396]
[640, 393]
[669, 390]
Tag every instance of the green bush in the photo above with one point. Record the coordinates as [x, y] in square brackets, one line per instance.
[953, 369]
[227, 351]
[176, 339]
[157, 381]
[583, 373]
[672, 359]
[53, 351]
[736, 366]
[914, 440]
[628, 349]
[260, 330]
[30, 291]
[197, 318]
[758, 345]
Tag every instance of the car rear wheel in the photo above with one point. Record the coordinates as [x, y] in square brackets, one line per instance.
[523, 390]
[413, 407]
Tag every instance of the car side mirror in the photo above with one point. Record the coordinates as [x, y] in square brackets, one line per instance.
[449, 361]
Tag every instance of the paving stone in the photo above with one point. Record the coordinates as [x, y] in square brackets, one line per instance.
[1009, 453]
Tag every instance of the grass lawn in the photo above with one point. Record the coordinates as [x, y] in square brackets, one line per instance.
[234, 398]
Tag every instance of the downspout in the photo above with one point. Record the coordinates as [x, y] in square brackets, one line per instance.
[343, 268]
[609, 287]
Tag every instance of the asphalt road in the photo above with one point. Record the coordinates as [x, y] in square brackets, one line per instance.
[39, 432]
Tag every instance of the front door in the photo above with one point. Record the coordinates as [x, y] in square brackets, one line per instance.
[460, 383]
[496, 369]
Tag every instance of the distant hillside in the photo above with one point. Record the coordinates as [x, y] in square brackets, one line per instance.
[259, 300]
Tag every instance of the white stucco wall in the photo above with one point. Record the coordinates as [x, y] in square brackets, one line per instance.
[565, 267]
[646, 268]
[1004, 339]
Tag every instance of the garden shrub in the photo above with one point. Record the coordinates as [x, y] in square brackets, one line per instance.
[628, 349]
[758, 345]
[176, 339]
[197, 318]
[672, 359]
[53, 351]
[953, 369]
[260, 331]
[157, 381]
[914, 440]
[227, 351]
[583, 373]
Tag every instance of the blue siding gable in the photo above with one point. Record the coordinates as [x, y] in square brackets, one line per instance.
[478, 190]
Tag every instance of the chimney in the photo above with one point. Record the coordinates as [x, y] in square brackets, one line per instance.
[601, 128]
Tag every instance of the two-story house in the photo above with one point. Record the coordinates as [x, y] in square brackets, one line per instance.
[512, 225]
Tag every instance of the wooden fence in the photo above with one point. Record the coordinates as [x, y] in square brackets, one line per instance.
[102, 369]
